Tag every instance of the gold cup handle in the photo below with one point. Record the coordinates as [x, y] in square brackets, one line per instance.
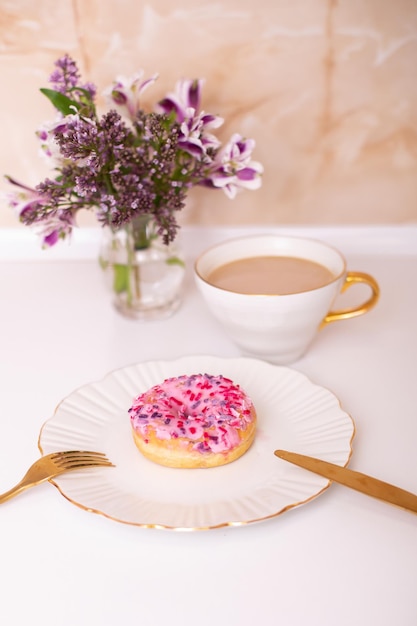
[353, 278]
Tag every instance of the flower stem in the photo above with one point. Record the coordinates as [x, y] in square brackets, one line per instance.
[136, 278]
[141, 239]
[137, 239]
[130, 265]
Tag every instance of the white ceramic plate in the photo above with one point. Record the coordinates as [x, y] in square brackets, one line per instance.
[293, 414]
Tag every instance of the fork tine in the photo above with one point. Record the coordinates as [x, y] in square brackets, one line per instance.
[73, 454]
[84, 463]
[54, 464]
[79, 458]
[70, 453]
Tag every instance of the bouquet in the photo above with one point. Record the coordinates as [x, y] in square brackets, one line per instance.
[128, 163]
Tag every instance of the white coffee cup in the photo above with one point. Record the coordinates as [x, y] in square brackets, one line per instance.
[278, 328]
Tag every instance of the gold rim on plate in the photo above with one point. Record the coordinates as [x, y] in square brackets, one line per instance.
[293, 413]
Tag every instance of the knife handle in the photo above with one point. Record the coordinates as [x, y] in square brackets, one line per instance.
[355, 480]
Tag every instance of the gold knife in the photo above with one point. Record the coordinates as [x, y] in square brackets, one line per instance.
[355, 480]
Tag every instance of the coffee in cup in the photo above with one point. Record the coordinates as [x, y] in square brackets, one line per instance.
[272, 293]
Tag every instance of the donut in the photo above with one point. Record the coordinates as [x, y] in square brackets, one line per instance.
[195, 421]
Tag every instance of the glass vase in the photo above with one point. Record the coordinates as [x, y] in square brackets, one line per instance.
[144, 274]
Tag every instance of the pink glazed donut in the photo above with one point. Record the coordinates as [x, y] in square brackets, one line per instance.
[193, 421]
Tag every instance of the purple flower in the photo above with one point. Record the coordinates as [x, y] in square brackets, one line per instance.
[187, 95]
[27, 202]
[47, 135]
[59, 225]
[143, 163]
[66, 74]
[195, 126]
[126, 92]
[233, 168]
[194, 137]
[75, 137]
[35, 208]
[65, 77]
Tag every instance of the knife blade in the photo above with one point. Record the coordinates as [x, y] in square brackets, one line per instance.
[355, 480]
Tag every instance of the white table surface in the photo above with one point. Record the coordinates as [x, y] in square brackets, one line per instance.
[341, 559]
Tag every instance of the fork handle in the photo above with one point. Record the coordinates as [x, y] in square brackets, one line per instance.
[21, 486]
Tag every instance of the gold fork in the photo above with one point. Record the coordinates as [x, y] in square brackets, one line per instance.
[54, 464]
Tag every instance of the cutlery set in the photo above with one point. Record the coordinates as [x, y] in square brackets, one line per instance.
[52, 465]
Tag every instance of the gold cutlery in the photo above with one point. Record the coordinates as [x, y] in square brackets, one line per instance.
[54, 464]
[355, 480]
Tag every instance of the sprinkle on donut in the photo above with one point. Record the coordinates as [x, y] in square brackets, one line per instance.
[208, 414]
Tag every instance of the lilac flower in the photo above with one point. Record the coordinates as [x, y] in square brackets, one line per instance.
[233, 168]
[144, 163]
[75, 137]
[34, 209]
[29, 206]
[27, 202]
[66, 74]
[47, 135]
[66, 77]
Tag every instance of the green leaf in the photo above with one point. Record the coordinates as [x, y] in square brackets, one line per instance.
[61, 102]
[175, 260]
[84, 92]
[120, 278]
[103, 263]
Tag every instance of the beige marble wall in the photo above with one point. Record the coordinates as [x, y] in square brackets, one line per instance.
[327, 88]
